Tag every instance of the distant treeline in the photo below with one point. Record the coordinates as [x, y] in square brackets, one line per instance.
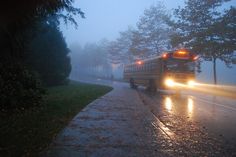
[92, 60]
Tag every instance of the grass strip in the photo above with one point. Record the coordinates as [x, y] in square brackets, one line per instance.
[28, 133]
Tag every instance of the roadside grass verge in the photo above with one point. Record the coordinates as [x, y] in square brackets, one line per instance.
[28, 133]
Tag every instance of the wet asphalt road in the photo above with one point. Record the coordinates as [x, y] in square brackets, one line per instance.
[129, 122]
[217, 115]
[203, 122]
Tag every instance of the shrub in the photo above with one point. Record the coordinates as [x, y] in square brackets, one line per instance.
[20, 88]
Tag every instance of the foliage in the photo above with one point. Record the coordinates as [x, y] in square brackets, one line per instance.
[48, 54]
[20, 13]
[227, 35]
[153, 33]
[151, 37]
[120, 49]
[30, 132]
[19, 87]
[202, 27]
[18, 16]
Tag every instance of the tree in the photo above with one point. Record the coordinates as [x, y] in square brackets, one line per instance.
[20, 86]
[151, 37]
[92, 60]
[206, 30]
[48, 54]
[120, 49]
[18, 16]
[153, 33]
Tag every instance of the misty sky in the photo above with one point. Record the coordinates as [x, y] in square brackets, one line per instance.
[106, 18]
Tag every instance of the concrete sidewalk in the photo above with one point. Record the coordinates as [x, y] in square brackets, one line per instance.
[118, 124]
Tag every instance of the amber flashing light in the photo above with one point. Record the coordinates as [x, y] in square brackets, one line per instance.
[182, 52]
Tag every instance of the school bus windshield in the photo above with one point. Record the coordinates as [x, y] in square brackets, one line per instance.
[177, 65]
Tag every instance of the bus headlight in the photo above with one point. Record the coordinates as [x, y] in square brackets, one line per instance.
[191, 83]
[169, 83]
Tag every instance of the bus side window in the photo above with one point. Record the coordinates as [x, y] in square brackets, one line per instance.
[163, 66]
[153, 65]
[149, 66]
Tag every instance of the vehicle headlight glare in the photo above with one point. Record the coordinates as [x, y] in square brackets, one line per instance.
[169, 82]
[191, 83]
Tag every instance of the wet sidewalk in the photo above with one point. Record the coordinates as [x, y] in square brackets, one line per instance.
[118, 124]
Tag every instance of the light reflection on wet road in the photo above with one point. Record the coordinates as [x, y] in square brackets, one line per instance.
[215, 116]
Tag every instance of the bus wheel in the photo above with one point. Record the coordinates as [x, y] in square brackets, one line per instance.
[132, 84]
[152, 86]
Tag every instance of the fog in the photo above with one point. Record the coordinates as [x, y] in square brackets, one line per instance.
[104, 20]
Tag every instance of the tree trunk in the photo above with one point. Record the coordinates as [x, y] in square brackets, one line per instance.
[214, 70]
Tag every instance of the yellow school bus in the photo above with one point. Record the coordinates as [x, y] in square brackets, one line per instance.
[167, 71]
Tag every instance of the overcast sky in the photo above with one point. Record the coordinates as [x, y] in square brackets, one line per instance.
[106, 18]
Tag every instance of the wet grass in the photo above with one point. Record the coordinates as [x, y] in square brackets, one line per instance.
[28, 133]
